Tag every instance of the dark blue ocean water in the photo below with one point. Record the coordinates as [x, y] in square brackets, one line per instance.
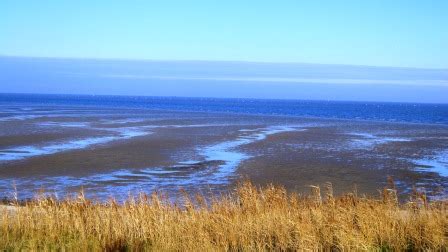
[376, 111]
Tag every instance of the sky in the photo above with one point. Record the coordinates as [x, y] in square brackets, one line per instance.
[222, 79]
[314, 50]
[400, 33]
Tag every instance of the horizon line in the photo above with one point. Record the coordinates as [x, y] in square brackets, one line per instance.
[224, 98]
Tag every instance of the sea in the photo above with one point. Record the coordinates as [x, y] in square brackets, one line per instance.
[421, 113]
[115, 145]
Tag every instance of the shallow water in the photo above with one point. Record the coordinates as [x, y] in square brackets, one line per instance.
[369, 140]
[437, 163]
[115, 150]
[371, 111]
[22, 152]
[224, 157]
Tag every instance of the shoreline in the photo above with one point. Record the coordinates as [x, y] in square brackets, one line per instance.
[129, 107]
[344, 152]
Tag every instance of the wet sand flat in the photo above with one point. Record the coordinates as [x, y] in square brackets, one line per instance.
[110, 152]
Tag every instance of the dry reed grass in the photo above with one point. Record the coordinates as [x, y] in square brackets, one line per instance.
[250, 218]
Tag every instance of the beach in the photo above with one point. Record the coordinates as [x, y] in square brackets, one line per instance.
[114, 151]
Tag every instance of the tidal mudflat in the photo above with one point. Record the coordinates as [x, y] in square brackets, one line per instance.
[115, 151]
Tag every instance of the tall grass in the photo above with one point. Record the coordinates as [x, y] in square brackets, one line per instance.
[249, 218]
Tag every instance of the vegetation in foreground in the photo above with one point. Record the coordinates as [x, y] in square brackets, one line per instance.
[248, 219]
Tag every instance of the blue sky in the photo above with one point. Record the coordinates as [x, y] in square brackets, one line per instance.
[222, 79]
[409, 33]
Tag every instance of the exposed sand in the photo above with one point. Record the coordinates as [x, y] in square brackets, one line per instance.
[114, 151]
